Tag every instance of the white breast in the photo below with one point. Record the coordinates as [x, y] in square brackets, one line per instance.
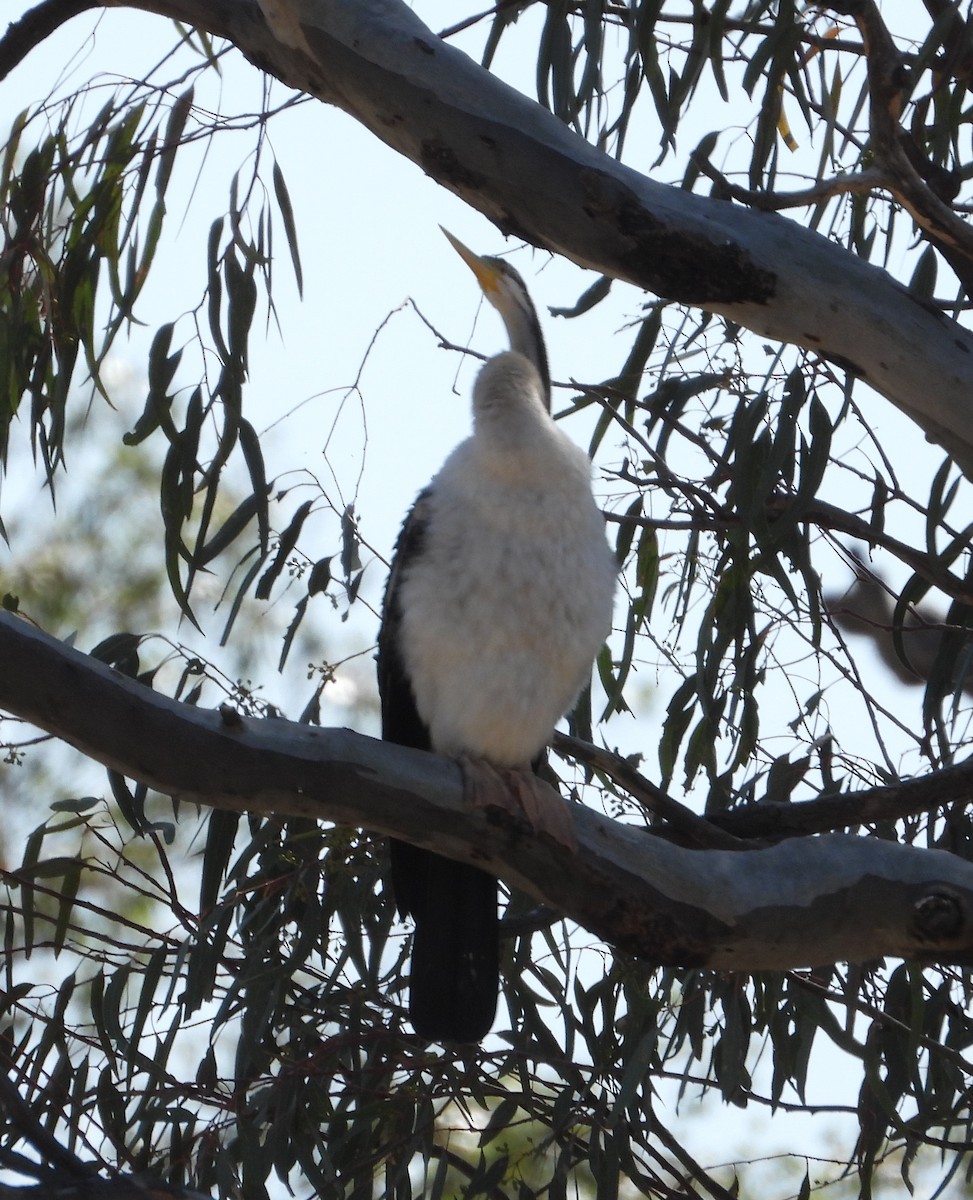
[510, 597]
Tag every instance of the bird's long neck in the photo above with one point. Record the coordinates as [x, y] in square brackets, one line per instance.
[513, 430]
[526, 339]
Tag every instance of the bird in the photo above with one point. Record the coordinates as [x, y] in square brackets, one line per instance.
[499, 598]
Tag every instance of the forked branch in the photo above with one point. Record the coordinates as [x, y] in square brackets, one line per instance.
[799, 902]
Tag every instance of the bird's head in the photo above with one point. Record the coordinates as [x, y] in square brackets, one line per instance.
[505, 289]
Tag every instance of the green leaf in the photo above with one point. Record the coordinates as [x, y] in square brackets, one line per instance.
[120, 651]
[221, 830]
[588, 299]
[500, 1120]
[161, 372]
[320, 577]
[76, 805]
[299, 610]
[290, 226]
[253, 456]
[350, 560]
[68, 894]
[923, 281]
[172, 139]
[285, 546]
[234, 525]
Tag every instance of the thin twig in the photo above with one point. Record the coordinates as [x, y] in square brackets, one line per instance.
[837, 185]
[697, 830]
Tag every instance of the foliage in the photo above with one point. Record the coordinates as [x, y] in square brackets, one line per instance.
[232, 1013]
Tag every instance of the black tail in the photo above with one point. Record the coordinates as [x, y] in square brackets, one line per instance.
[456, 946]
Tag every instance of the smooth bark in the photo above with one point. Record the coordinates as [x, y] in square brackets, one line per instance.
[536, 179]
[801, 902]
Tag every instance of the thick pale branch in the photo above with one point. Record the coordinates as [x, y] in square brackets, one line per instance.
[535, 178]
[800, 902]
[35, 26]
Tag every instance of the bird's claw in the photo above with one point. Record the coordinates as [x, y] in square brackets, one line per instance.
[518, 792]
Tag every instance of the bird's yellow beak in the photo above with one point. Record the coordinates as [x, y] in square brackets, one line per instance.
[486, 273]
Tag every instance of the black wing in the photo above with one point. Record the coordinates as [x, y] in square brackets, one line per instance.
[401, 722]
[455, 949]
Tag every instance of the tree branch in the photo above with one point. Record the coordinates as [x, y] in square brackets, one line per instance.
[771, 819]
[35, 27]
[850, 810]
[888, 142]
[811, 900]
[859, 182]
[824, 516]
[957, 55]
[686, 825]
[536, 179]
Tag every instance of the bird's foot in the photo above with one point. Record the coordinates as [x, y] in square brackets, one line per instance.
[519, 793]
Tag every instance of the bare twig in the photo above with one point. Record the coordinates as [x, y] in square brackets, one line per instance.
[695, 830]
[851, 810]
[887, 82]
[837, 185]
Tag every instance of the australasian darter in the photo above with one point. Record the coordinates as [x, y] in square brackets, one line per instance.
[499, 598]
